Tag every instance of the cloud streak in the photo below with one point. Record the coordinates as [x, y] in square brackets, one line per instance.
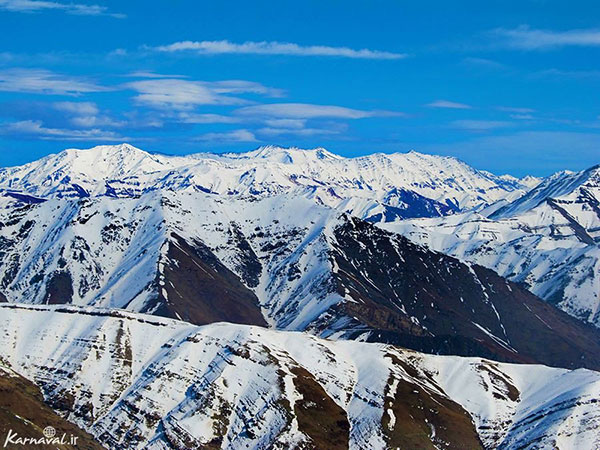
[308, 111]
[526, 38]
[228, 136]
[42, 81]
[36, 129]
[480, 125]
[275, 48]
[175, 93]
[78, 9]
[448, 105]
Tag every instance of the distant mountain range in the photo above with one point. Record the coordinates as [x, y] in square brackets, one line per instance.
[410, 250]
[438, 184]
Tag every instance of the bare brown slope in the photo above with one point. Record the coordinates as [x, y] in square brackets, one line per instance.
[196, 287]
[23, 411]
[410, 296]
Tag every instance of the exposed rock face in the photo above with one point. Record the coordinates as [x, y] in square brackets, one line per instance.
[196, 287]
[404, 294]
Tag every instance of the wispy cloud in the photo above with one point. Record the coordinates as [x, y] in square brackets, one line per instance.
[85, 115]
[559, 73]
[149, 74]
[42, 81]
[480, 125]
[522, 117]
[484, 63]
[299, 128]
[79, 9]
[190, 117]
[78, 108]
[36, 129]
[527, 38]
[286, 123]
[512, 109]
[308, 111]
[186, 94]
[275, 48]
[301, 132]
[228, 136]
[448, 105]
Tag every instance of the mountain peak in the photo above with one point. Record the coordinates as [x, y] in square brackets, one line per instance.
[123, 148]
[286, 155]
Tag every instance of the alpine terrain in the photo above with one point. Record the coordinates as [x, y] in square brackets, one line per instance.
[289, 298]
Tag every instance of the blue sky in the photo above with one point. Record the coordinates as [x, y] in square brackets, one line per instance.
[511, 87]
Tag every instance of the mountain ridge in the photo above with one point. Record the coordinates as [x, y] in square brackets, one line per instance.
[135, 381]
[549, 240]
[285, 260]
[124, 170]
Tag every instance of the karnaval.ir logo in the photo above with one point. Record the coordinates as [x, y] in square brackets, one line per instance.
[49, 432]
[49, 437]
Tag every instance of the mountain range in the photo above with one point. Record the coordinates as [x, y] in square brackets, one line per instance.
[123, 265]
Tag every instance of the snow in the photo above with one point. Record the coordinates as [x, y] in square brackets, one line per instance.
[547, 239]
[199, 379]
[358, 183]
[107, 215]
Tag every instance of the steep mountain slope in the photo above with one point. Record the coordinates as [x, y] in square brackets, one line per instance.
[133, 380]
[573, 188]
[279, 260]
[23, 414]
[411, 184]
[549, 240]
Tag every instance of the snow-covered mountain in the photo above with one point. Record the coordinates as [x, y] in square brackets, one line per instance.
[409, 184]
[549, 239]
[138, 381]
[118, 268]
[279, 260]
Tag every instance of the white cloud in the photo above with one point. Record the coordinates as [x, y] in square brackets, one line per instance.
[527, 38]
[484, 63]
[268, 131]
[42, 81]
[186, 117]
[79, 9]
[85, 115]
[448, 104]
[36, 128]
[243, 86]
[522, 116]
[149, 74]
[512, 109]
[80, 108]
[286, 123]
[275, 48]
[480, 125]
[178, 94]
[228, 136]
[187, 94]
[308, 111]
[558, 73]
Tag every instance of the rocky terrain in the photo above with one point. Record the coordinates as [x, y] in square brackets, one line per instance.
[287, 298]
[137, 381]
